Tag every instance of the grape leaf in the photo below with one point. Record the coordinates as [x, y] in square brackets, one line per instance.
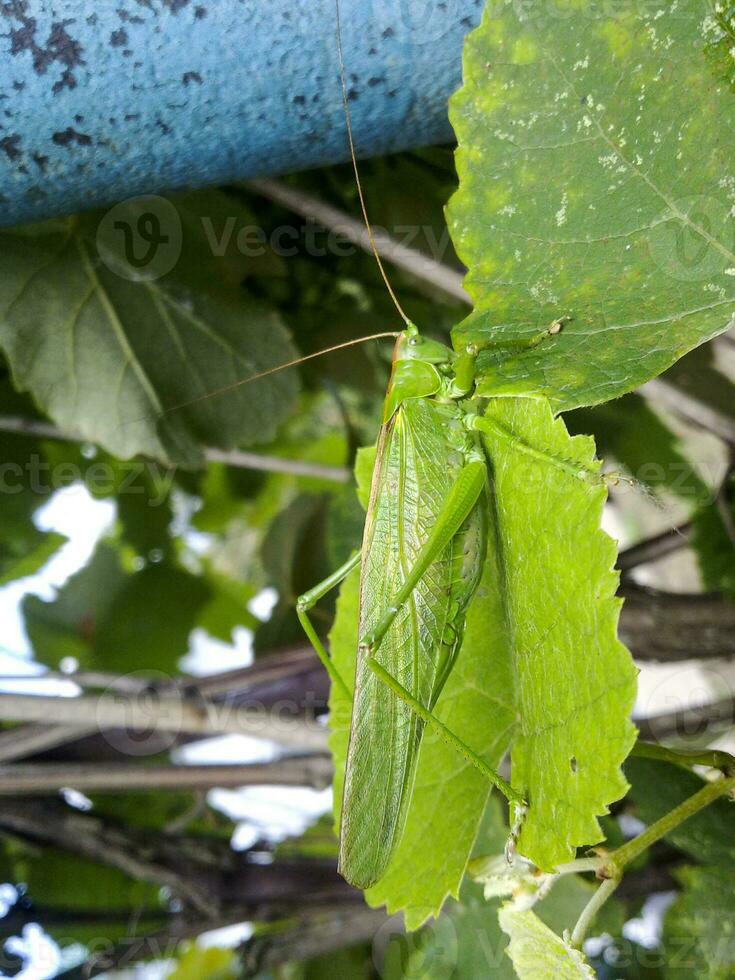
[536, 951]
[596, 182]
[109, 356]
[575, 680]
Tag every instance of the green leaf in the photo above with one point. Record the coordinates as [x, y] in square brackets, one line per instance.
[23, 554]
[449, 795]
[110, 356]
[575, 680]
[595, 182]
[537, 952]
[467, 938]
[714, 544]
[111, 620]
[658, 787]
[211, 963]
[699, 939]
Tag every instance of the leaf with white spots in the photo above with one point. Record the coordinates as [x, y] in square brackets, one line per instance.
[597, 182]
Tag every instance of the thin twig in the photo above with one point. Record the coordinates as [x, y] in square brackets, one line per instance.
[431, 271]
[275, 464]
[314, 771]
[237, 458]
[163, 714]
[25, 740]
[654, 548]
[714, 758]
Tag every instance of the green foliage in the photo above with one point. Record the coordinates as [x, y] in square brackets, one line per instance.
[26, 551]
[575, 682]
[658, 787]
[591, 186]
[111, 618]
[211, 963]
[536, 951]
[699, 937]
[714, 540]
[111, 357]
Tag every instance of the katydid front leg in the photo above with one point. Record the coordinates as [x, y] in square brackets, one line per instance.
[308, 600]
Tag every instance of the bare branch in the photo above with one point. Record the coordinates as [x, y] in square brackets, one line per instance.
[664, 395]
[41, 778]
[688, 722]
[310, 936]
[25, 740]
[164, 713]
[666, 627]
[237, 458]
[430, 271]
[290, 676]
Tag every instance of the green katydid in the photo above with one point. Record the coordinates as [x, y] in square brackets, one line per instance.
[421, 558]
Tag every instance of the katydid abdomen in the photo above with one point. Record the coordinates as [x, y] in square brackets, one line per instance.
[422, 449]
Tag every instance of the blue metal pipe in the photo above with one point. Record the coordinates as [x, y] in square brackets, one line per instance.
[101, 100]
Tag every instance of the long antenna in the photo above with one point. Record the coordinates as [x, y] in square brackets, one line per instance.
[275, 370]
[348, 119]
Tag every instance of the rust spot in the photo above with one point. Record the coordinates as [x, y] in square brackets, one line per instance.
[191, 76]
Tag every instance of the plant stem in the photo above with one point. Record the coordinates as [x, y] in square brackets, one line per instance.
[714, 758]
[591, 909]
[628, 852]
[617, 860]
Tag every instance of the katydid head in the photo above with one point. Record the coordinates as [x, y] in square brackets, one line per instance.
[412, 346]
[417, 364]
